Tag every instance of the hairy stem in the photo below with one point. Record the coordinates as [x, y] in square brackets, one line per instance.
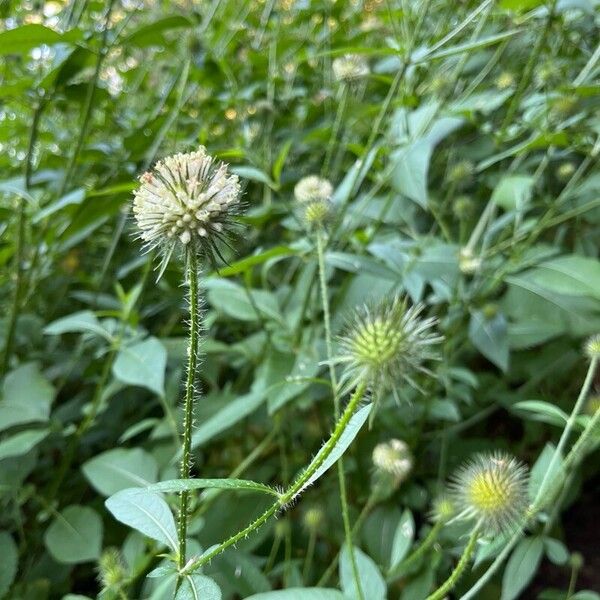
[186, 460]
[465, 559]
[336, 404]
[292, 491]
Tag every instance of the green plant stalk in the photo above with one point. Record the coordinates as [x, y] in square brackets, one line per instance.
[539, 502]
[465, 559]
[186, 459]
[292, 491]
[336, 407]
[417, 553]
[310, 551]
[337, 123]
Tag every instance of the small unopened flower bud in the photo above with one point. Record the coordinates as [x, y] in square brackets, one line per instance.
[188, 200]
[467, 262]
[492, 489]
[565, 171]
[111, 570]
[461, 171]
[387, 344]
[394, 458]
[592, 347]
[444, 509]
[313, 189]
[463, 207]
[505, 80]
[350, 67]
[313, 519]
[593, 405]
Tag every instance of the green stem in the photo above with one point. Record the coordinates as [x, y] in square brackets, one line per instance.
[339, 115]
[292, 491]
[186, 460]
[465, 559]
[310, 551]
[336, 405]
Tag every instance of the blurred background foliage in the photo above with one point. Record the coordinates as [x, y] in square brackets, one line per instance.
[465, 176]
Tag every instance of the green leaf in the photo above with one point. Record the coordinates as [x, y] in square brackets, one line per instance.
[9, 562]
[153, 33]
[233, 413]
[513, 192]
[198, 587]
[21, 443]
[27, 397]
[254, 174]
[142, 364]
[371, 580]
[489, 336]
[180, 485]
[82, 321]
[146, 512]
[556, 551]
[521, 567]
[21, 39]
[354, 425]
[540, 468]
[118, 469]
[538, 410]
[411, 167]
[300, 594]
[75, 535]
[403, 538]
[243, 265]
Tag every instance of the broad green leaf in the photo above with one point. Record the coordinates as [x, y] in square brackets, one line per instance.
[403, 538]
[82, 321]
[513, 192]
[556, 551]
[233, 413]
[244, 264]
[152, 34]
[411, 168]
[538, 410]
[489, 336]
[179, 485]
[540, 469]
[21, 39]
[521, 567]
[254, 174]
[198, 587]
[73, 197]
[142, 364]
[371, 580]
[354, 425]
[21, 443]
[9, 562]
[146, 512]
[26, 398]
[75, 535]
[300, 594]
[118, 469]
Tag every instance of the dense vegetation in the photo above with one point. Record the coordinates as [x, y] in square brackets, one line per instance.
[461, 143]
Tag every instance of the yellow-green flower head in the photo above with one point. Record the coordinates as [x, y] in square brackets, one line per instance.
[394, 458]
[313, 189]
[492, 489]
[111, 570]
[350, 67]
[314, 518]
[592, 347]
[443, 509]
[316, 214]
[386, 345]
[189, 200]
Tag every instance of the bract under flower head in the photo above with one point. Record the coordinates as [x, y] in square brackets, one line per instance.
[189, 200]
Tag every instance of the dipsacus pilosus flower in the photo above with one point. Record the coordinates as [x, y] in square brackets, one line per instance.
[492, 489]
[350, 67]
[386, 345]
[313, 189]
[188, 200]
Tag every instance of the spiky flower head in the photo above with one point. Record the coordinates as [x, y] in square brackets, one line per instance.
[350, 67]
[313, 189]
[443, 509]
[189, 200]
[111, 570]
[387, 344]
[394, 458]
[592, 347]
[492, 489]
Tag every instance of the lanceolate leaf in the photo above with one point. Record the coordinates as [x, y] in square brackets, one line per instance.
[180, 485]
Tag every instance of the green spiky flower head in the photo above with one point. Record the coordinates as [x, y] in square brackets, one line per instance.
[386, 345]
[592, 347]
[492, 489]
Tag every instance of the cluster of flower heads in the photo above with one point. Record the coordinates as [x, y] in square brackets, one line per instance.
[313, 195]
[386, 345]
[189, 200]
[492, 489]
[350, 68]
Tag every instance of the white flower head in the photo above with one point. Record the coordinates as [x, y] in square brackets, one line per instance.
[189, 200]
[313, 189]
[394, 458]
[350, 67]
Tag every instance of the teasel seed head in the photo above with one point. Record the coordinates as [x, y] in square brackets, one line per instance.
[350, 68]
[492, 489]
[187, 200]
[393, 458]
[313, 189]
[592, 347]
[385, 345]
